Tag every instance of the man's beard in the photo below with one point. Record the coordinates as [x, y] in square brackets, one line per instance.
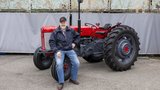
[63, 26]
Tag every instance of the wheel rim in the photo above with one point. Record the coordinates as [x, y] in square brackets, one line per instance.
[66, 67]
[125, 48]
[45, 61]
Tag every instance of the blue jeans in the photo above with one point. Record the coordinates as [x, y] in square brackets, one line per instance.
[59, 65]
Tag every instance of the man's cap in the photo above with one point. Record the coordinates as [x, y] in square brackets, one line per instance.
[62, 19]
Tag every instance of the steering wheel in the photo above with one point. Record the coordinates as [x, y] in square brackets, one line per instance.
[89, 24]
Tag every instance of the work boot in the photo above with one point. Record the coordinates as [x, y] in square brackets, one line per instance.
[60, 86]
[74, 82]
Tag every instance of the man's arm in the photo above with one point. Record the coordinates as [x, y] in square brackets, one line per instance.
[52, 43]
[76, 37]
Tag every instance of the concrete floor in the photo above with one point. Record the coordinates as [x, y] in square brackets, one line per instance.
[19, 73]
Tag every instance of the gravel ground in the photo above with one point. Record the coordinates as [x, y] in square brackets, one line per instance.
[17, 72]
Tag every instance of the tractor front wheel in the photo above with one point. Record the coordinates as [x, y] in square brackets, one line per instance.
[121, 48]
[66, 66]
[41, 61]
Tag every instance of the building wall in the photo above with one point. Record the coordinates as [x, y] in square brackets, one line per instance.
[87, 4]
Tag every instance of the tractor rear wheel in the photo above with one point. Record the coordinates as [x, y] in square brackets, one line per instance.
[90, 59]
[67, 69]
[41, 61]
[121, 48]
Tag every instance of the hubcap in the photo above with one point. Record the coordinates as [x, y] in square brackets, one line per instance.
[65, 66]
[45, 60]
[124, 48]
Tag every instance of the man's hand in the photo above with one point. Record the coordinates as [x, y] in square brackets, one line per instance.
[73, 45]
[59, 54]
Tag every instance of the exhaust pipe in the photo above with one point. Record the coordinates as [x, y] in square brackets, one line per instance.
[79, 18]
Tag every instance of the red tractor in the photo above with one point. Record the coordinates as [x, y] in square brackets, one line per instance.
[117, 45]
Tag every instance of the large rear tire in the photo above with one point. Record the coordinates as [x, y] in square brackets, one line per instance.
[41, 61]
[67, 69]
[121, 48]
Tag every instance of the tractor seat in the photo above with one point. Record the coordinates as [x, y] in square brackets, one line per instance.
[106, 26]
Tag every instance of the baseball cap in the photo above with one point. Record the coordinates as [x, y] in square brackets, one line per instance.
[62, 19]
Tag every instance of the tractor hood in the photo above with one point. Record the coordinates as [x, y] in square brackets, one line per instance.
[85, 30]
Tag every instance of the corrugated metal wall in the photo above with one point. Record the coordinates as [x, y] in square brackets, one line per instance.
[87, 4]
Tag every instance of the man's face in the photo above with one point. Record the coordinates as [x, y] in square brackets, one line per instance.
[63, 24]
